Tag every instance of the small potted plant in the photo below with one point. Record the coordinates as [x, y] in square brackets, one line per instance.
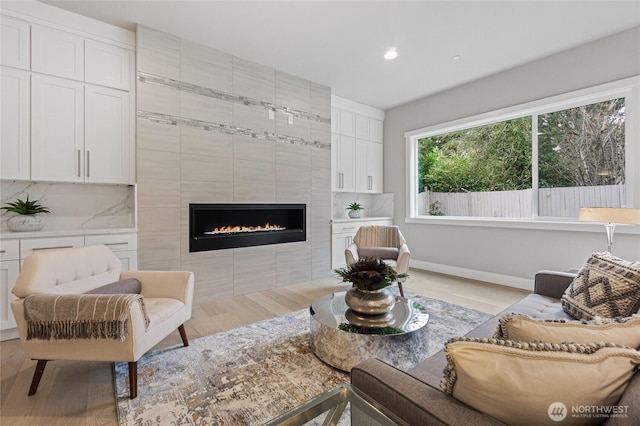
[354, 210]
[26, 218]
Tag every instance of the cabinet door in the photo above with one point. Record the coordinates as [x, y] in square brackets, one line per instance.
[368, 167]
[339, 244]
[14, 43]
[129, 260]
[374, 162]
[57, 129]
[14, 128]
[106, 65]
[346, 152]
[347, 123]
[362, 127]
[57, 53]
[361, 172]
[8, 274]
[107, 142]
[375, 130]
[335, 120]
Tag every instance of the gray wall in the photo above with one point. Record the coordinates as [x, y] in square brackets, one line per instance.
[254, 159]
[506, 255]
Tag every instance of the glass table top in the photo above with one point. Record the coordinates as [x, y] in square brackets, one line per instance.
[343, 405]
[330, 311]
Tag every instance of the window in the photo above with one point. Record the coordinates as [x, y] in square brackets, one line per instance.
[540, 161]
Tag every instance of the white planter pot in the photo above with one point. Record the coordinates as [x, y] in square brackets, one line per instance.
[25, 223]
[354, 214]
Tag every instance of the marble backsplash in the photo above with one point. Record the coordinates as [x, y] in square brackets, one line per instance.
[74, 206]
[375, 205]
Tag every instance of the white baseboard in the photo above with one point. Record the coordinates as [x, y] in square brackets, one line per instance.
[9, 334]
[506, 280]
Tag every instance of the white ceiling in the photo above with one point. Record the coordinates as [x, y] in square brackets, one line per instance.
[340, 44]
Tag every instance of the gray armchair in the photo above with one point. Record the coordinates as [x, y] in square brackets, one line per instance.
[382, 242]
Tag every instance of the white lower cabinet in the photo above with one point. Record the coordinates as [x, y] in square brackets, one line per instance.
[13, 253]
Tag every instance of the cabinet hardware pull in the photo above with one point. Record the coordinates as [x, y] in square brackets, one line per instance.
[79, 160]
[348, 227]
[50, 248]
[2, 251]
[115, 244]
[88, 162]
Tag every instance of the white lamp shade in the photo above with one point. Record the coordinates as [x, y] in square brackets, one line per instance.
[610, 215]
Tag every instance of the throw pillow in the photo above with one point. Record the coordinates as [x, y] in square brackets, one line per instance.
[379, 252]
[606, 286]
[623, 331]
[128, 286]
[519, 381]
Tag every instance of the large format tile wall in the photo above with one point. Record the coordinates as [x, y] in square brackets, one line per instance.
[214, 128]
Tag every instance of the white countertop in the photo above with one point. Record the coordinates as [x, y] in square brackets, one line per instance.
[359, 219]
[9, 235]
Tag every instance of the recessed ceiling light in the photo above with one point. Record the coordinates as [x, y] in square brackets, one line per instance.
[391, 54]
[455, 58]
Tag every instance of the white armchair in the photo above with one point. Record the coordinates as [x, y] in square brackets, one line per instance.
[381, 242]
[167, 301]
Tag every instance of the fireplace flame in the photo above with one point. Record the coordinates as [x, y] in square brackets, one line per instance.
[229, 229]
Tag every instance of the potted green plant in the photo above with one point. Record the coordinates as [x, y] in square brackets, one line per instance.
[26, 218]
[354, 210]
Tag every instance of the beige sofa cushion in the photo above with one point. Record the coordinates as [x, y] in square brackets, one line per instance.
[623, 331]
[606, 286]
[518, 381]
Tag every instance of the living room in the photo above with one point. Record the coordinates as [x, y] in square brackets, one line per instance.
[178, 162]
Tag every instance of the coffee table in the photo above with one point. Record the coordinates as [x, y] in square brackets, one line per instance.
[343, 349]
[362, 410]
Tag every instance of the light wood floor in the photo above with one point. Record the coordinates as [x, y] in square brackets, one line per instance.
[81, 393]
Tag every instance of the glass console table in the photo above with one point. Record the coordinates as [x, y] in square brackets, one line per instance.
[343, 405]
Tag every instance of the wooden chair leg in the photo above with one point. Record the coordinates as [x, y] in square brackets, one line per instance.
[133, 380]
[401, 290]
[183, 335]
[37, 375]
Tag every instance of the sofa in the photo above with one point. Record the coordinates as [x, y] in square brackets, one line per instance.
[416, 396]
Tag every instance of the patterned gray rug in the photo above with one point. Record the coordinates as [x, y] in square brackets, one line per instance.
[252, 374]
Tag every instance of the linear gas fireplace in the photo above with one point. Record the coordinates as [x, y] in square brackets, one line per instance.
[223, 226]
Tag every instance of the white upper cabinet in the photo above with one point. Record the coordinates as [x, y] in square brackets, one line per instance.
[107, 143]
[375, 130]
[347, 123]
[15, 124]
[57, 53]
[14, 43]
[342, 163]
[368, 167]
[57, 129]
[362, 127]
[107, 65]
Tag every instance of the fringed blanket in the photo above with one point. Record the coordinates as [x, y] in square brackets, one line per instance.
[80, 316]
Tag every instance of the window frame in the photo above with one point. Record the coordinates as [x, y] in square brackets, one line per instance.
[628, 88]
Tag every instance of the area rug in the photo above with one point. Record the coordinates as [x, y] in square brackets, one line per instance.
[252, 374]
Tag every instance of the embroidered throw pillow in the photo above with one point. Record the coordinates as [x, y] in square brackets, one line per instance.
[606, 286]
[623, 331]
[517, 381]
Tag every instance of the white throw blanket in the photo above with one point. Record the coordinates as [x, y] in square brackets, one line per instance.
[80, 316]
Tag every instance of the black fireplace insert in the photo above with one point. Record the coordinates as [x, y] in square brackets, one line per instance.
[223, 226]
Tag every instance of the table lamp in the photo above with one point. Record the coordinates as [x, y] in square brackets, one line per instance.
[609, 216]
